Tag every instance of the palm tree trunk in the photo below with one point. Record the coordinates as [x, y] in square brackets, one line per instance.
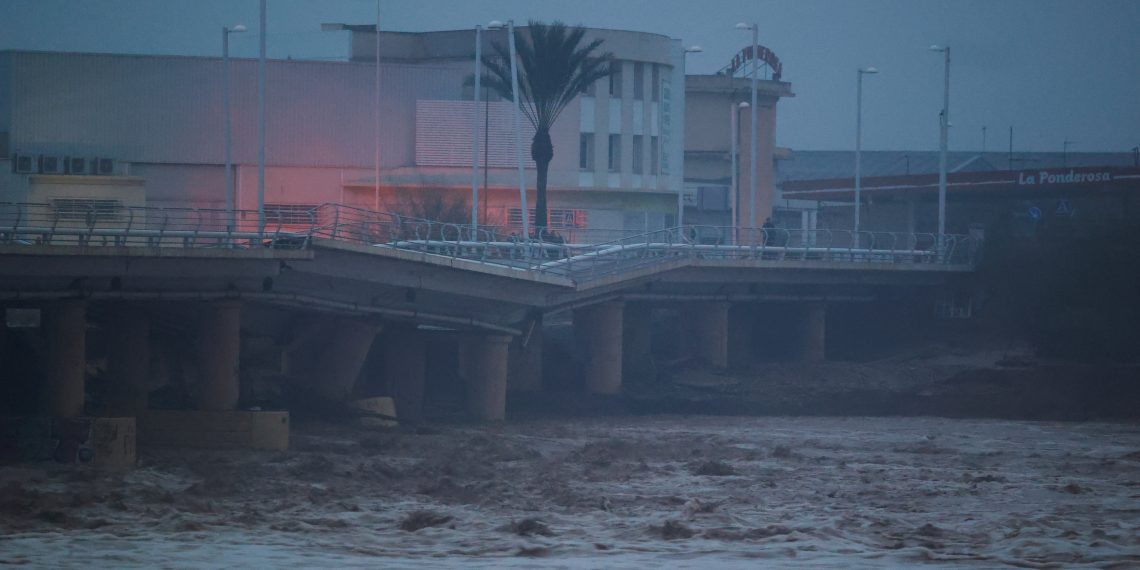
[542, 151]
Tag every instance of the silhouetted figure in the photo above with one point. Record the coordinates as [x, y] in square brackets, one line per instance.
[768, 231]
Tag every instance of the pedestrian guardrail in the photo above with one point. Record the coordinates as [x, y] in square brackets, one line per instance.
[93, 224]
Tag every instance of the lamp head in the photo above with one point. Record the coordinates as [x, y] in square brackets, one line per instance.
[936, 47]
[236, 29]
[743, 26]
[869, 70]
[694, 49]
[495, 25]
[744, 104]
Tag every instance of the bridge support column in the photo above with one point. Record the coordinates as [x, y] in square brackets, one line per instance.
[709, 328]
[741, 335]
[525, 361]
[65, 337]
[218, 348]
[343, 356]
[483, 364]
[128, 362]
[813, 329]
[405, 368]
[599, 331]
[637, 349]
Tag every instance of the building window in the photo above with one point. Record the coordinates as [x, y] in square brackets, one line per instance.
[712, 198]
[558, 218]
[654, 155]
[87, 209]
[639, 81]
[290, 214]
[467, 93]
[638, 159]
[615, 79]
[655, 86]
[586, 151]
[614, 162]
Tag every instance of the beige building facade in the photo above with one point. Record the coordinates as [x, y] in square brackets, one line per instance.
[115, 131]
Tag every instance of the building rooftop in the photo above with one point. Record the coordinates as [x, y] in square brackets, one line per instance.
[838, 164]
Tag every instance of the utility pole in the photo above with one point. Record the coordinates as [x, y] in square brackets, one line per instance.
[261, 129]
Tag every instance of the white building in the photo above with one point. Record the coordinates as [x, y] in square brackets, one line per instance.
[155, 126]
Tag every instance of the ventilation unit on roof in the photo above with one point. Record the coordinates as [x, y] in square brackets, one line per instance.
[77, 165]
[51, 164]
[23, 164]
[103, 166]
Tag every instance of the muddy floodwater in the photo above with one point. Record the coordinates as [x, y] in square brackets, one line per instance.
[631, 492]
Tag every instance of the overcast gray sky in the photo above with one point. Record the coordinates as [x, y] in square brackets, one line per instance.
[1053, 69]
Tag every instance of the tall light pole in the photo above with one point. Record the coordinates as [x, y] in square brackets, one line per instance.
[944, 120]
[752, 135]
[1065, 150]
[518, 127]
[375, 28]
[493, 25]
[681, 189]
[261, 127]
[226, 31]
[859, 143]
[475, 134]
[376, 189]
[734, 135]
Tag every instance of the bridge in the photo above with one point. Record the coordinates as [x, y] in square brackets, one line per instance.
[198, 295]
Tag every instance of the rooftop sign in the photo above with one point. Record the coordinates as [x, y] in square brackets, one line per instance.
[765, 55]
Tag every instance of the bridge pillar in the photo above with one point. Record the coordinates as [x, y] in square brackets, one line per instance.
[483, 364]
[813, 329]
[525, 362]
[405, 368]
[637, 349]
[128, 361]
[65, 337]
[343, 356]
[709, 332]
[599, 332]
[741, 334]
[218, 347]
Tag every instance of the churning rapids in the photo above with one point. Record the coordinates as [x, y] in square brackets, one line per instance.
[675, 492]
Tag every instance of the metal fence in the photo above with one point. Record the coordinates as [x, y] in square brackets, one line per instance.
[91, 224]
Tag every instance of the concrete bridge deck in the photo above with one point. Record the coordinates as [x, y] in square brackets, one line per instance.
[351, 274]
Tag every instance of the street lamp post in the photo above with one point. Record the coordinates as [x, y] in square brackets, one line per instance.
[261, 127]
[859, 143]
[681, 188]
[475, 134]
[376, 189]
[226, 31]
[518, 127]
[752, 135]
[734, 136]
[944, 120]
[336, 27]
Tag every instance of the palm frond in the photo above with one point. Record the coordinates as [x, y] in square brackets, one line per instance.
[554, 68]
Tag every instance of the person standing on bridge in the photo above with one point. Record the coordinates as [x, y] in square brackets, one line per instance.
[767, 231]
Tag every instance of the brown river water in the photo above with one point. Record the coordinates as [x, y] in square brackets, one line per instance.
[628, 492]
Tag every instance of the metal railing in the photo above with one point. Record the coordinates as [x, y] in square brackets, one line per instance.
[91, 225]
[100, 225]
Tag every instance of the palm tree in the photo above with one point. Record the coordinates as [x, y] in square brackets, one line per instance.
[554, 68]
